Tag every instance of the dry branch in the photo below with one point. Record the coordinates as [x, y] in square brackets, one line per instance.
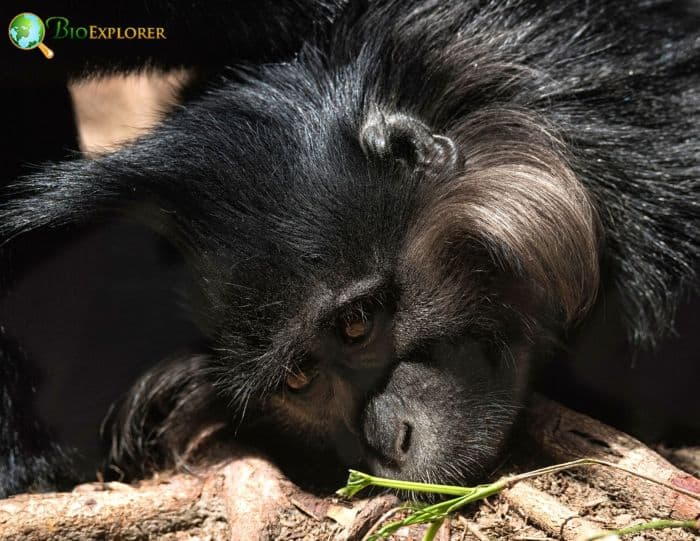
[246, 498]
[548, 513]
[567, 435]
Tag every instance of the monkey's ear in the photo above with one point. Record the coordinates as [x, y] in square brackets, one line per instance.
[406, 139]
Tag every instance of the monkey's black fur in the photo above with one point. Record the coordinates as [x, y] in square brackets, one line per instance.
[30, 460]
[453, 177]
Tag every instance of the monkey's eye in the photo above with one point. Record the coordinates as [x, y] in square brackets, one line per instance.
[356, 328]
[298, 380]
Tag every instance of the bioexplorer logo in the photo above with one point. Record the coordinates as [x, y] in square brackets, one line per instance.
[27, 31]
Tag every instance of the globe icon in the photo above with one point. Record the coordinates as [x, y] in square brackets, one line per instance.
[27, 32]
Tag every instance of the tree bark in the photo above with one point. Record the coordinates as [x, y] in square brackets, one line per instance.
[567, 435]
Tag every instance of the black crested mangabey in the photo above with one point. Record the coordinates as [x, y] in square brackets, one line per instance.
[388, 230]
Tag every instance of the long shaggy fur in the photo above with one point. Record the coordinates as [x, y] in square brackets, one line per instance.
[573, 166]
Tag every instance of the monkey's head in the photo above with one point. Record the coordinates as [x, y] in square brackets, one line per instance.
[374, 281]
[376, 286]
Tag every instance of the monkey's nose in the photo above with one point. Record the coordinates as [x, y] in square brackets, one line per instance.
[388, 432]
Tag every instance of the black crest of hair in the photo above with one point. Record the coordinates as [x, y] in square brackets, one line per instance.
[454, 182]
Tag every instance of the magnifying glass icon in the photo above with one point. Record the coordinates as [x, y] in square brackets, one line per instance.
[27, 32]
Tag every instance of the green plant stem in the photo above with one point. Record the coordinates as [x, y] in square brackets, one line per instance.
[359, 480]
[432, 530]
[435, 514]
[653, 525]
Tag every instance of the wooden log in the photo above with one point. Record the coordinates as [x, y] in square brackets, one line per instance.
[114, 510]
[567, 435]
[245, 498]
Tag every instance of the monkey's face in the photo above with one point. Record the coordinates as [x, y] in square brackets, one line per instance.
[375, 291]
[398, 376]
[438, 411]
